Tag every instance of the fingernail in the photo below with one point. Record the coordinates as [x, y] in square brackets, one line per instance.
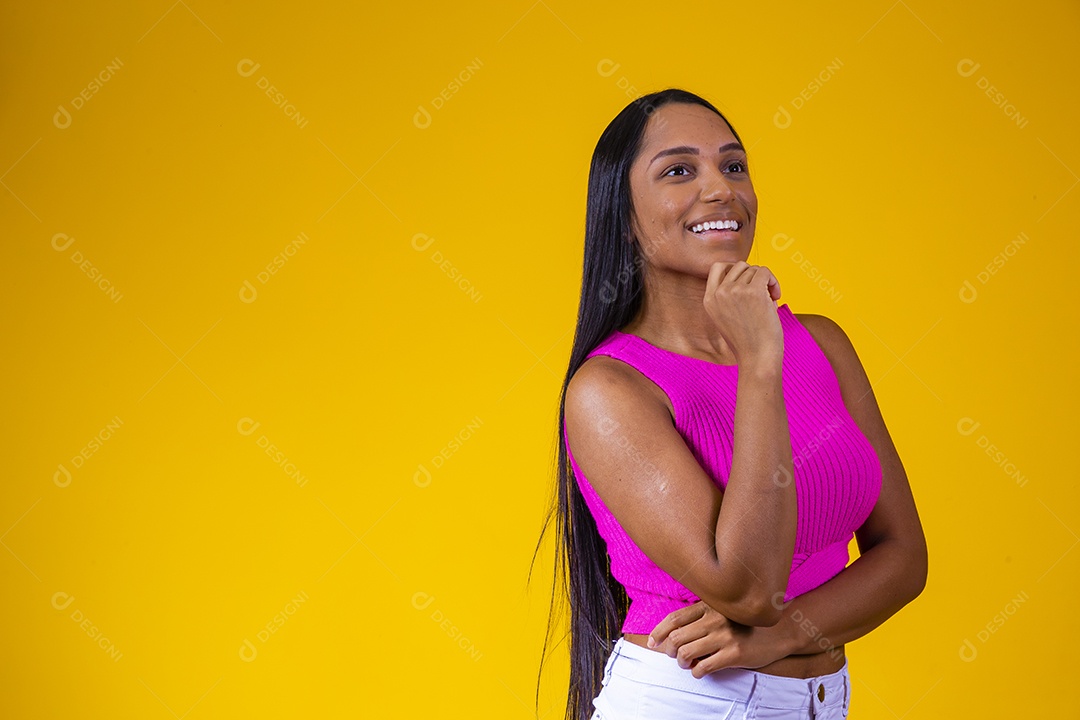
[652, 643]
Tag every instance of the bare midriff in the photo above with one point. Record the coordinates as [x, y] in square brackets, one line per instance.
[795, 666]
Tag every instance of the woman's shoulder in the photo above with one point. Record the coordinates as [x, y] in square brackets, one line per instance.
[607, 384]
[604, 374]
[824, 329]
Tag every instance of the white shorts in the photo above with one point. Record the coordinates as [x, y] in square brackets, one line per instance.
[645, 684]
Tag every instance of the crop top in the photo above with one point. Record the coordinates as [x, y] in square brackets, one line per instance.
[836, 470]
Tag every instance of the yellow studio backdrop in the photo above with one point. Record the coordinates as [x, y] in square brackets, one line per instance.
[289, 293]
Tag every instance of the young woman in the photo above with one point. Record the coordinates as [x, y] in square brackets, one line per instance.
[716, 452]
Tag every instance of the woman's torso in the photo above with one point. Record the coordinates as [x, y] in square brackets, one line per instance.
[819, 381]
[797, 666]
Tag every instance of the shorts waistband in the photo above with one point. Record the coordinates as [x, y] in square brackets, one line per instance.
[656, 668]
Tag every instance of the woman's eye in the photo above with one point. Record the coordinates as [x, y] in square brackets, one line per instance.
[737, 166]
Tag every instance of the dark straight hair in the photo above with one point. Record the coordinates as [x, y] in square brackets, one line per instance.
[611, 293]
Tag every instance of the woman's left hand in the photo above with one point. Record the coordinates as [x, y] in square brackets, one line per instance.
[704, 641]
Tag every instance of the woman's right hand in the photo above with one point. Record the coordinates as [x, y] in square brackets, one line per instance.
[741, 300]
[703, 641]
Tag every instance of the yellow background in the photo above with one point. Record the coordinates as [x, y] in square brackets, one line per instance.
[400, 579]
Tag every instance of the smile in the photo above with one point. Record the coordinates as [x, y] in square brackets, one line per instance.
[716, 225]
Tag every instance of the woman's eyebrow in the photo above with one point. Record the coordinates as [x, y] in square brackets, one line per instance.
[687, 150]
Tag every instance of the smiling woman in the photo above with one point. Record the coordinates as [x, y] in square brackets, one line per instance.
[716, 452]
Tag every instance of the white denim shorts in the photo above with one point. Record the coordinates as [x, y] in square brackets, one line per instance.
[643, 684]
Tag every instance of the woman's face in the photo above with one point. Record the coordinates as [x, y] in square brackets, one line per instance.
[691, 170]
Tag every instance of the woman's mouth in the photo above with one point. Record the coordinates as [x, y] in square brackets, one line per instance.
[719, 228]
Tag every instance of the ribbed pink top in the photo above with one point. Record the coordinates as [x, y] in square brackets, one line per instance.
[837, 473]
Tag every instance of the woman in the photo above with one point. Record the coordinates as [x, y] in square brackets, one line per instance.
[725, 523]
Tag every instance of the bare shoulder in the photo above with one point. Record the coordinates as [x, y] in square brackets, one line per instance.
[605, 384]
[828, 334]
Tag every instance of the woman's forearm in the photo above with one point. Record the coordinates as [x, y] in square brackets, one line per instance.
[755, 530]
[861, 597]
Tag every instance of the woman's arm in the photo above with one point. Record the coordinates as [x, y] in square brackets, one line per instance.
[890, 571]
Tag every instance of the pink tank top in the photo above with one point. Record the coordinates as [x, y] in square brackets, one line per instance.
[836, 471]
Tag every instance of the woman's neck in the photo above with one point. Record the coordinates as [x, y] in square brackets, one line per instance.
[672, 315]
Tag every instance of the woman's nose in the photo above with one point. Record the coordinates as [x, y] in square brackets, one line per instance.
[716, 186]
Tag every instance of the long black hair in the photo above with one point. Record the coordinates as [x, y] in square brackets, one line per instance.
[611, 294]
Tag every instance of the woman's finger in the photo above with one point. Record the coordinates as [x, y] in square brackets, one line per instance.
[694, 652]
[678, 618]
[773, 283]
[722, 658]
[692, 632]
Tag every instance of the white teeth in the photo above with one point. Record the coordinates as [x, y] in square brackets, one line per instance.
[716, 225]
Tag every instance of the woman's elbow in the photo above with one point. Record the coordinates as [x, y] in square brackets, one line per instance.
[909, 571]
[739, 594]
[756, 611]
[765, 615]
[918, 571]
[906, 558]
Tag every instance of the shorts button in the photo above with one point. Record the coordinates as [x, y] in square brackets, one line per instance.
[821, 693]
